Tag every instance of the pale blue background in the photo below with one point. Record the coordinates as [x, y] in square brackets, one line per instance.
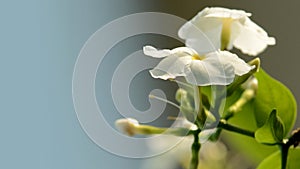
[40, 41]
[39, 44]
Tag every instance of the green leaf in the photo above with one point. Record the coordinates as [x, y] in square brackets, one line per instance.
[274, 160]
[245, 119]
[271, 95]
[272, 131]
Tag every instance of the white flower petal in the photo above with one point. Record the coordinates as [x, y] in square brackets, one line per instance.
[183, 51]
[202, 46]
[253, 39]
[160, 74]
[152, 51]
[216, 68]
[236, 28]
[171, 67]
[219, 12]
[180, 51]
[210, 71]
[240, 66]
[202, 34]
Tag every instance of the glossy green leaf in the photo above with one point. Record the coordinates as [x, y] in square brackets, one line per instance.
[272, 131]
[274, 160]
[245, 119]
[271, 95]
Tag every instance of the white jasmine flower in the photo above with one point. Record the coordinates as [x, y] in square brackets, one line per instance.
[215, 68]
[221, 28]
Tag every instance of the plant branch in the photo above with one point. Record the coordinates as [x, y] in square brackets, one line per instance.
[195, 151]
[285, 146]
[218, 102]
[224, 125]
[201, 116]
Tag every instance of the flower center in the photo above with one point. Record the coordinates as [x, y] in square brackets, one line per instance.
[226, 30]
[197, 57]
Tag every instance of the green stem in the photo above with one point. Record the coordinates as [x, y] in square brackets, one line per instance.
[195, 151]
[223, 124]
[201, 116]
[284, 148]
[197, 98]
[148, 130]
[218, 101]
[294, 140]
[215, 109]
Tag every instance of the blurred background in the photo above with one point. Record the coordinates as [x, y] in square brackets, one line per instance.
[40, 42]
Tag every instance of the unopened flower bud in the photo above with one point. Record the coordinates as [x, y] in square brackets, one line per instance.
[131, 127]
[180, 94]
[251, 83]
[127, 126]
[189, 125]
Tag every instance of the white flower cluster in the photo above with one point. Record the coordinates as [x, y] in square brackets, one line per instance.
[204, 60]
